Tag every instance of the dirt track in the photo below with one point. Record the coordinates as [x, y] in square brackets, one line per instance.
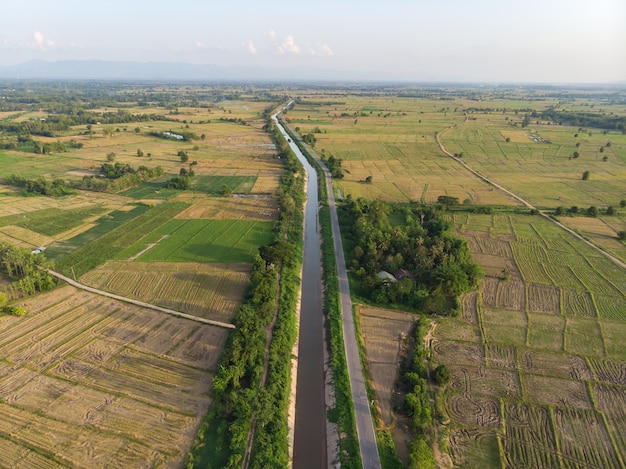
[614, 259]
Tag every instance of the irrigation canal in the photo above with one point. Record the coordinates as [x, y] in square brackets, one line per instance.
[309, 449]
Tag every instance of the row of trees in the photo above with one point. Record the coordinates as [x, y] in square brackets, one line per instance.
[239, 398]
[118, 177]
[40, 186]
[417, 376]
[435, 266]
[585, 119]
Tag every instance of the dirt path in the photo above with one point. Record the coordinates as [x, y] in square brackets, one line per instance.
[612, 258]
[148, 247]
[140, 303]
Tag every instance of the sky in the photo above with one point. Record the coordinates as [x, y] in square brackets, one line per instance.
[490, 41]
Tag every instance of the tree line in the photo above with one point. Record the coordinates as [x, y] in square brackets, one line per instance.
[238, 398]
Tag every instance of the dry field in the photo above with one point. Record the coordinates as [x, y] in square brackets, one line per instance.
[232, 209]
[537, 358]
[384, 332]
[87, 381]
[394, 142]
[211, 291]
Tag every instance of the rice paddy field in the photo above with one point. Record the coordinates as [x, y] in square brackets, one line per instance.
[88, 381]
[536, 351]
[537, 355]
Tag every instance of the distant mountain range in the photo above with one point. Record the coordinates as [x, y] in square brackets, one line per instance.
[109, 70]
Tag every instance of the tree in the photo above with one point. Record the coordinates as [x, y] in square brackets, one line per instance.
[441, 375]
[610, 210]
[226, 191]
[592, 211]
[585, 175]
[368, 179]
[575, 154]
[108, 132]
[137, 130]
[139, 152]
[621, 235]
[622, 203]
[559, 211]
[183, 156]
[110, 156]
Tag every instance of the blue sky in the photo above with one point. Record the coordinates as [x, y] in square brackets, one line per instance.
[564, 41]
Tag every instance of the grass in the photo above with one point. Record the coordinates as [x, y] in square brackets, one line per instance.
[104, 225]
[110, 244]
[52, 221]
[203, 241]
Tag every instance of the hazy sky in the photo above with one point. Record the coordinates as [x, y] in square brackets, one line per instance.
[561, 41]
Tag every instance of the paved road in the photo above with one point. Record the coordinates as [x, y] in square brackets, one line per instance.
[364, 425]
[140, 303]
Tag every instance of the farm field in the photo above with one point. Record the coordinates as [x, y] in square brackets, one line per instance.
[535, 351]
[543, 171]
[87, 381]
[91, 382]
[211, 291]
[392, 140]
[189, 240]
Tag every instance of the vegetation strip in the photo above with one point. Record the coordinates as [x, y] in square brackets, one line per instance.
[238, 397]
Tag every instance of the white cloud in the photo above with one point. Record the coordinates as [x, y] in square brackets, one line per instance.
[288, 46]
[41, 42]
[272, 34]
[321, 50]
[249, 45]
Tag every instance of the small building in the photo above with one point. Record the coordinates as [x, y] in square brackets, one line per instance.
[402, 273]
[386, 277]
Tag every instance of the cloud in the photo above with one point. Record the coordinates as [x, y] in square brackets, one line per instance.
[272, 34]
[41, 42]
[249, 45]
[288, 46]
[321, 50]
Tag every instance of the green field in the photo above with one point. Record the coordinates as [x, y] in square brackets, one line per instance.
[51, 221]
[217, 241]
[214, 184]
[104, 225]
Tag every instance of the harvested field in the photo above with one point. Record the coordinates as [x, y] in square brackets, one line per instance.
[553, 343]
[529, 439]
[501, 356]
[463, 353]
[474, 446]
[91, 382]
[231, 208]
[609, 371]
[210, 291]
[384, 332]
[544, 299]
[511, 295]
[556, 391]
[474, 412]
[583, 439]
[555, 364]
[611, 401]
